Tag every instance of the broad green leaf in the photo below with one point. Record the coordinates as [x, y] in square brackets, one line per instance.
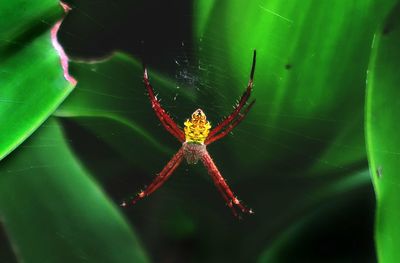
[383, 141]
[309, 85]
[52, 209]
[32, 79]
[312, 58]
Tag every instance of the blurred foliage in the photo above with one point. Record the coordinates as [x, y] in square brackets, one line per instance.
[54, 211]
[310, 76]
[299, 159]
[382, 114]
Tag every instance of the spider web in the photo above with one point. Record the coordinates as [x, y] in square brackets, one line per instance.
[187, 64]
[192, 71]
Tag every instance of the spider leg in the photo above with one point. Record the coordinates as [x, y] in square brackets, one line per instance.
[227, 200]
[222, 186]
[162, 115]
[160, 178]
[233, 124]
[245, 96]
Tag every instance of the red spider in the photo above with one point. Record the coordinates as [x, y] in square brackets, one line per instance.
[194, 138]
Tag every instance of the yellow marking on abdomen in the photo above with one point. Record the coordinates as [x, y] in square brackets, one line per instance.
[197, 128]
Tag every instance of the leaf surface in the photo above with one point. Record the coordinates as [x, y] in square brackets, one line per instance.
[33, 82]
[53, 210]
[382, 115]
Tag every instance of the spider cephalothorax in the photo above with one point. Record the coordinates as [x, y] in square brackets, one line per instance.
[195, 137]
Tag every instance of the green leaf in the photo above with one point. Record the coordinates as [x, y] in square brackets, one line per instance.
[31, 76]
[308, 121]
[383, 141]
[54, 211]
[309, 80]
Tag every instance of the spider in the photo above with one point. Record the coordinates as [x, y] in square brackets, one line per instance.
[195, 137]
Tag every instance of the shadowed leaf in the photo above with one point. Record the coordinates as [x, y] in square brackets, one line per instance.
[53, 211]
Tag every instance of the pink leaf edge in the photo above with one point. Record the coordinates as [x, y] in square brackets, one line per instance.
[61, 53]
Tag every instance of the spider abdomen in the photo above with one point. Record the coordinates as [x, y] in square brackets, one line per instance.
[193, 151]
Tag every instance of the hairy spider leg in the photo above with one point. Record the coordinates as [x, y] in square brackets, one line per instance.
[232, 125]
[227, 200]
[224, 195]
[221, 184]
[162, 115]
[162, 176]
[245, 96]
